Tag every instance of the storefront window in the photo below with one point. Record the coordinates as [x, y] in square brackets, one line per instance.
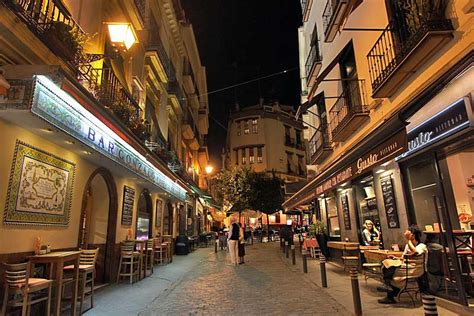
[366, 202]
[333, 218]
[144, 216]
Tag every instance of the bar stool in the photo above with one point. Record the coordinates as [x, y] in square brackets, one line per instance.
[149, 255]
[161, 251]
[87, 260]
[129, 260]
[19, 287]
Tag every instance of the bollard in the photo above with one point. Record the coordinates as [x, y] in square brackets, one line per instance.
[429, 304]
[215, 246]
[322, 264]
[287, 252]
[355, 291]
[293, 255]
[305, 261]
[282, 245]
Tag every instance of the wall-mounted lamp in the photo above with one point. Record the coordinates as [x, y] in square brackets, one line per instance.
[122, 35]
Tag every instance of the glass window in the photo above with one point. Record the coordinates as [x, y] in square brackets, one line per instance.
[246, 127]
[332, 217]
[298, 137]
[254, 126]
[259, 154]
[244, 156]
[251, 155]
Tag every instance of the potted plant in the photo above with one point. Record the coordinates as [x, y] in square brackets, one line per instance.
[122, 111]
[319, 230]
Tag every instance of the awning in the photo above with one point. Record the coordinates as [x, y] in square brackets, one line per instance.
[385, 143]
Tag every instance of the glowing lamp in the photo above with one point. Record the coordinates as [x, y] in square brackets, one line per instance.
[209, 169]
[122, 35]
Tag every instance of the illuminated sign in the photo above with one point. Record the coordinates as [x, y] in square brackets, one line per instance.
[60, 109]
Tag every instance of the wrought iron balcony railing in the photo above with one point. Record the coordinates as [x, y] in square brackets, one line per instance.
[333, 16]
[313, 63]
[349, 111]
[406, 43]
[319, 145]
[155, 43]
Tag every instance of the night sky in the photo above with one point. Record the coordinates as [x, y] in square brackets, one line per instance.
[241, 40]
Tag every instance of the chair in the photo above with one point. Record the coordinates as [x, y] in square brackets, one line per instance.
[408, 279]
[149, 255]
[87, 261]
[129, 261]
[160, 251]
[20, 289]
[349, 259]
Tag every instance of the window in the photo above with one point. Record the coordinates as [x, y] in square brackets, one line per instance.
[254, 126]
[289, 160]
[239, 130]
[300, 165]
[259, 155]
[287, 131]
[298, 137]
[251, 155]
[236, 157]
[244, 156]
[246, 127]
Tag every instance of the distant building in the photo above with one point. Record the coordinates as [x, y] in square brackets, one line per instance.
[267, 138]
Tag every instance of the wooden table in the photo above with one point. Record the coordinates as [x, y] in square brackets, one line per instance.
[377, 256]
[140, 246]
[342, 245]
[56, 261]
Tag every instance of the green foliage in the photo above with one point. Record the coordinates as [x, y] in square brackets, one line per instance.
[317, 228]
[234, 187]
[267, 193]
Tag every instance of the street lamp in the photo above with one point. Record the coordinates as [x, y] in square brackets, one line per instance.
[122, 35]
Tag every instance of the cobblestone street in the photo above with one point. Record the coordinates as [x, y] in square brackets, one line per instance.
[264, 285]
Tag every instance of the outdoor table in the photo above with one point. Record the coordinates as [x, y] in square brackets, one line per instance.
[310, 243]
[377, 256]
[365, 248]
[56, 260]
[341, 245]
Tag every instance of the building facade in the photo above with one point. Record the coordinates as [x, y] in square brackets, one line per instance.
[267, 138]
[103, 117]
[388, 107]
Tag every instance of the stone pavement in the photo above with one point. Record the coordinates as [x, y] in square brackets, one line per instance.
[204, 283]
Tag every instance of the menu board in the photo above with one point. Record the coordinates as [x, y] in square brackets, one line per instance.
[127, 206]
[389, 202]
[345, 211]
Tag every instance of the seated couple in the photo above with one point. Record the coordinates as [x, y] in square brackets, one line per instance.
[394, 269]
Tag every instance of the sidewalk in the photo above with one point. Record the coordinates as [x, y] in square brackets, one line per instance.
[339, 287]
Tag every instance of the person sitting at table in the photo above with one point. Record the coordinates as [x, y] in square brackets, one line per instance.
[393, 266]
[370, 234]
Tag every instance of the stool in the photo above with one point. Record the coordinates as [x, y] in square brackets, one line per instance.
[161, 251]
[149, 255]
[129, 260]
[19, 287]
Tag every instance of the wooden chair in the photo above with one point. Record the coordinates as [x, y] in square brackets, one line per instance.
[19, 289]
[129, 261]
[87, 261]
[149, 250]
[348, 257]
[160, 251]
[412, 270]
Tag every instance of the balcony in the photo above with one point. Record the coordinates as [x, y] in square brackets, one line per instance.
[405, 46]
[334, 15]
[188, 128]
[313, 64]
[349, 112]
[319, 145]
[158, 56]
[306, 9]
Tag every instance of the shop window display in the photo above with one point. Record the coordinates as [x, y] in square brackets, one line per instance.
[367, 203]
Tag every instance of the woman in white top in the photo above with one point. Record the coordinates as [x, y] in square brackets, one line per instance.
[370, 233]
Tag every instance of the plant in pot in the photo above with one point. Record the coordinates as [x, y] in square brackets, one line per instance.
[122, 111]
[62, 39]
[140, 128]
[319, 230]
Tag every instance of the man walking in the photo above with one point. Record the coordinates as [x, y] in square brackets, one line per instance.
[233, 241]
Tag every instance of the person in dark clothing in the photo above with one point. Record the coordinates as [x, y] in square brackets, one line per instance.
[233, 242]
[241, 247]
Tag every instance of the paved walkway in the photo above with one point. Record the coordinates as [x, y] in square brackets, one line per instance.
[204, 283]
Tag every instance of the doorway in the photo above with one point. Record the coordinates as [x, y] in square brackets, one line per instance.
[144, 230]
[98, 218]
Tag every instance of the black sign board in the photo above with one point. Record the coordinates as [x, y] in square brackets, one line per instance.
[345, 211]
[389, 202]
[127, 206]
[438, 126]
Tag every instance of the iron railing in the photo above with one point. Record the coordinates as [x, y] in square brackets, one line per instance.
[402, 35]
[318, 141]
[141, 8]
[314, 57]
[155, 44]
[113, 92]
[351, 101]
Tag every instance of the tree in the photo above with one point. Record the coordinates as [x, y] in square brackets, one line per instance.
[233, 186]
[267, 194]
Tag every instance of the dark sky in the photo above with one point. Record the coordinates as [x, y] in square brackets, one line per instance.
[241, 40]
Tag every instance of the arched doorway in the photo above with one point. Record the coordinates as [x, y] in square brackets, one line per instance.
[168, 218]
[98, 218]
[144, 216]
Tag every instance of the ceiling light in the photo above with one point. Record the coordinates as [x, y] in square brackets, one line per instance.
[386, 163]
[47, 130]
[380, 171]
[69, 142]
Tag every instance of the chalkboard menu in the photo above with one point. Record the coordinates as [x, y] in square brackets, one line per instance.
[389, 202]
[345, 211]
[127, 206]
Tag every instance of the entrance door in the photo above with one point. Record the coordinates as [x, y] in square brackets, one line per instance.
[144, 218]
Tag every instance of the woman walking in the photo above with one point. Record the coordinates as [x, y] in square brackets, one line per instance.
[241, 244]
[233, 241]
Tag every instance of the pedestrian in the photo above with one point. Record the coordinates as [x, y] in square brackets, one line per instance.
[241, 244]
[233, 242]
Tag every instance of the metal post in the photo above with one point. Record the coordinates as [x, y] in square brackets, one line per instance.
[429, 304]
[322, 264]
[305, 261]
[282, 244]
[215, 246]
[287, 251]
[355, 291]
[293, 255]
